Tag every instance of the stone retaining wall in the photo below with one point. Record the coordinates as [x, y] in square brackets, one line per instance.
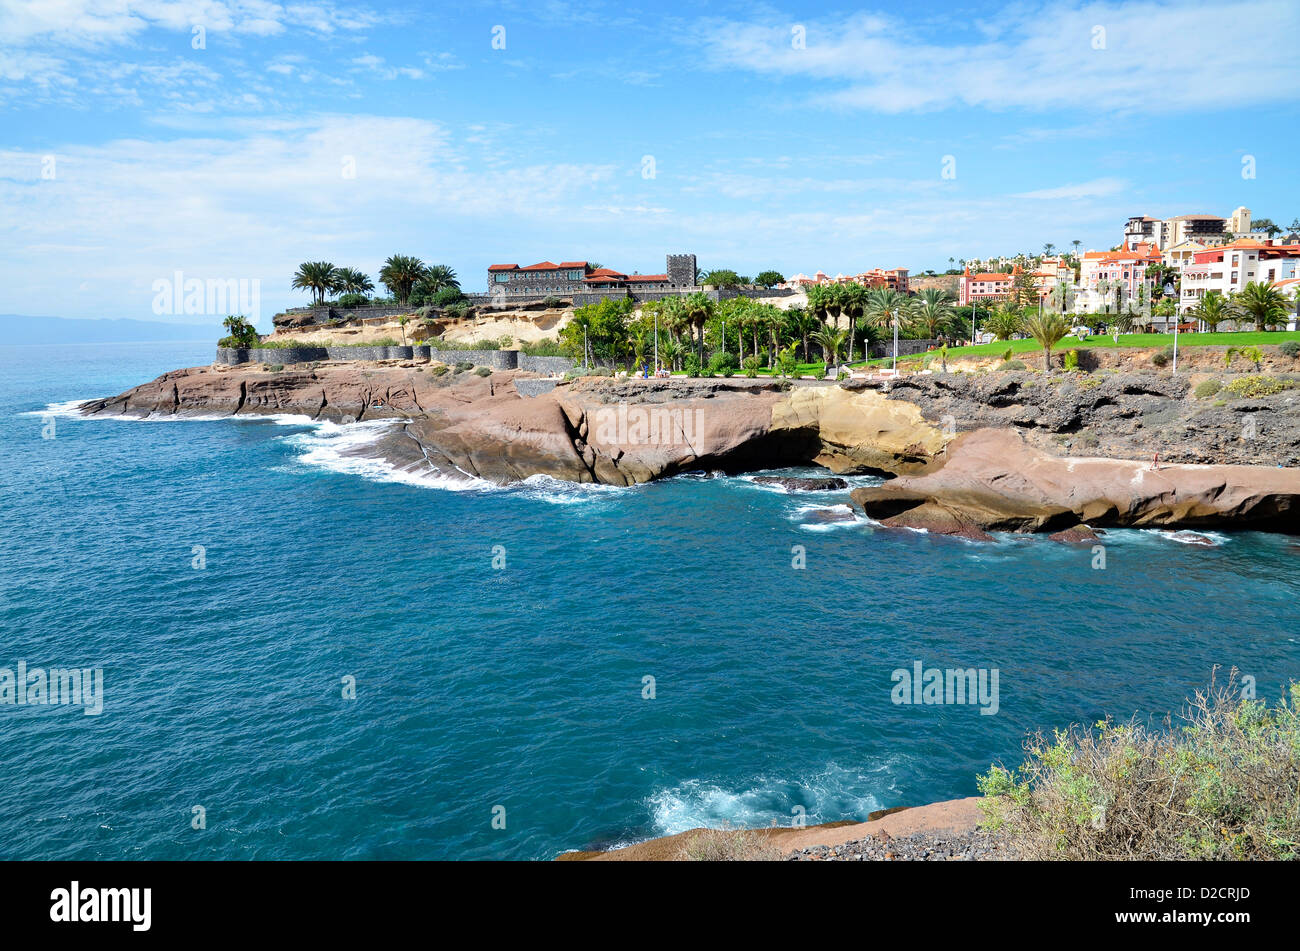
[496, 359]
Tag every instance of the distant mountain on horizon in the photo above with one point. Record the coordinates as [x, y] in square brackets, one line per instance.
[25, 329]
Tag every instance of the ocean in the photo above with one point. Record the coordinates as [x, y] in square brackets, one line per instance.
[307, 656]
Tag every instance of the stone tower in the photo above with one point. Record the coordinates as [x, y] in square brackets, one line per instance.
[681, 270]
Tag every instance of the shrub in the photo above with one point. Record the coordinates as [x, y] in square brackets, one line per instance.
[464, 365]
[727, 845]
[447, 296]
[552, 301]
[1258, 386]
[1161, 358]
[1072, 359]
[1290, 348]
[692, 365]
[274, 367]
[550, 347]
[1224, 786]
[1207, 388]
[751, 366]
[483, 371]
[1012, 365]
[1006, 355]
[723, 360]
[348, 301]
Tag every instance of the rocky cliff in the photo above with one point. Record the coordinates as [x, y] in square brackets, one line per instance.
[971, 455]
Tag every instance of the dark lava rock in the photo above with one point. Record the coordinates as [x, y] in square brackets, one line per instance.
[802, 485]
[1078, 535]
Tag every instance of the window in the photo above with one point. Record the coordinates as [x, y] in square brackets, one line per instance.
[502, 278]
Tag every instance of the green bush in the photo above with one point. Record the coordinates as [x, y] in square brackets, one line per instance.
[1012, 365]
[553, 301]
[349, 301]
[1207, 388]
[752, 365]
[1258, 386]
[723, 360]
[549, 347]
[439, 369]
[447, 296]
[464, 365]
[1162, 357]
[483, 371]
[274, 367]
[692, 365]
[1290, 348]
[1072, 359]
[1006, 355]
[1226, 785]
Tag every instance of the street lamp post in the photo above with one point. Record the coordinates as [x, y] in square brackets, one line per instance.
[1169, 292]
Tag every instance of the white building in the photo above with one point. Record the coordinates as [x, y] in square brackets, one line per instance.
[1230, 268]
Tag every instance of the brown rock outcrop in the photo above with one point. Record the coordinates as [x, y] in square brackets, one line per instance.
[992, 479]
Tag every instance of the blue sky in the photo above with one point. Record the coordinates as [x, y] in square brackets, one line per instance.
[796, 137]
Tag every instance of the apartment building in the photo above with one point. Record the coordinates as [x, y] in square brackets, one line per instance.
[1230, 268]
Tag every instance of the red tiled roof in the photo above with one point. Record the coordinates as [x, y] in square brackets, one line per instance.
[544, 266]
[503, 267]
[573, 264]
[648, 277]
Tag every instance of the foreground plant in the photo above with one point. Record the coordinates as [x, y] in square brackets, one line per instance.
[1224, 786]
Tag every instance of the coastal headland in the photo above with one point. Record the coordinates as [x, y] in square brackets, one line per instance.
[966, 454]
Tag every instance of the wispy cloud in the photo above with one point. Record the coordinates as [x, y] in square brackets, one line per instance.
[1092, 57]
[1098, 188]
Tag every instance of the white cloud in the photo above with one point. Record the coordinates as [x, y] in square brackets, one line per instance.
[1098, 188]
[253, 207]
[1156, 56]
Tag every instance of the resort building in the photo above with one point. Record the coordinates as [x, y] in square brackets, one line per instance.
[983, 286]
[893, 278]
[1230, 268]
[1168, 232]
[512, 282]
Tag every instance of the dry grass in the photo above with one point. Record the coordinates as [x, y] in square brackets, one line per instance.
[1223, 785]
[728, 845]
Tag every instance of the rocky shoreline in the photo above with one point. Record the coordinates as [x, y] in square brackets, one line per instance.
[969, 454]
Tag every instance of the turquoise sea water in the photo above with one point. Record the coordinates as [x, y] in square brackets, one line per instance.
[522, 687]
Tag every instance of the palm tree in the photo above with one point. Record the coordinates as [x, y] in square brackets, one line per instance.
[1261, 302]
[818, 299]
[1003, 322]
[439, 277]
[773, 320]
[352, 281]
[933, 310]
[831, 339]
[1213, 310]
[671, 352]
[400, 273]
[854, 298]
[804, 323]
[1047, 328]
[698, 310]
[887, 307]
[1048, 248]
[319, 277]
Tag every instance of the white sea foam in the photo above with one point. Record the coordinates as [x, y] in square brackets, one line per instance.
[70, 409]
[857, 519]
[1188, 537]
[335, 447]
[831, 795]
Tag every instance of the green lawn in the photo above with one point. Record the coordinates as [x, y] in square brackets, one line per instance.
[1246, 338]
[997, 348]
